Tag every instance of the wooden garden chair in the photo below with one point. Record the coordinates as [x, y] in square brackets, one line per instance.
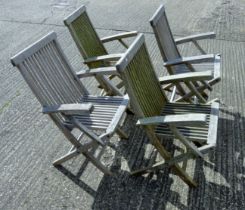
[176, 64]
[186, 122]
[64, 98]
[92, 48]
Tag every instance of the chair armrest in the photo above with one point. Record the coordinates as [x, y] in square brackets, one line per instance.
[192, 76]
[68, 109]
[119, 36]
[178, 119]
[192, 59]
[208, 35]
[97, 71]
[110, 57]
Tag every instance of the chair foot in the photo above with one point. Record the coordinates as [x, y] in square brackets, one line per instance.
[129, 111]
[121, 133]
[66, 157]
[214, 100]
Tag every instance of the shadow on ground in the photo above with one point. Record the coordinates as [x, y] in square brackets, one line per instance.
[158, 191]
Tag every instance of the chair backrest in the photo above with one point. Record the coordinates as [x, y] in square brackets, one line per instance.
[84, 34]
[141, 82]
[48, 73]
[163, 34]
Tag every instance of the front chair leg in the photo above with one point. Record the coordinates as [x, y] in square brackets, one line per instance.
[66, 157]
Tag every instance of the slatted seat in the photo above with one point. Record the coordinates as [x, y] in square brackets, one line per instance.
[187, 123]
[92, 48]
[202, 134]
[103, 114]
[177, 64]
[68, 103]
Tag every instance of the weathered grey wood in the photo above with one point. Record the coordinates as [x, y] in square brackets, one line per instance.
[119, 36]
[189, 145]
[178, 119]
[159, 117]
[68, 109]
[129, 54]
[105, 58]
[196, 37]
[27, 52]
[217, 74]
[73, 152]
[199, 47]
[162, 164]
[118, 115]
[123, 43]
[157, 15]
[91, 47]
[66, 157]
[192, 76]
[70, 18]
[214, 116]
[62, 95]
[97, 71]
[195, 92]
[122, 134]
[174, 61]
[192, 59]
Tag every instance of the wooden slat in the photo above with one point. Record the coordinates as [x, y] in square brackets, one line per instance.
[33, 48]
[68, 108]
[74, 15]
[118, 115]
[191, 76]
[192, 59]
[97, 71]
[181, 119]
[119, 36]
[214, 116]
[104, 58]
[207, 35]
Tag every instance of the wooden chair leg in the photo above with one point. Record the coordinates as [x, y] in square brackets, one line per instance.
[66, 157]
[121, 133]
[97, 163]
[167, 156]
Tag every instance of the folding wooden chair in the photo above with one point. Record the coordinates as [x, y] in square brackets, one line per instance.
[65, 99]
[92, 49]
[176, 64]
[186, 122]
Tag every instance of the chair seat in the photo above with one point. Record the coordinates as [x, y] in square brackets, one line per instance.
[205, 134]
[106, 111]
[204, 66]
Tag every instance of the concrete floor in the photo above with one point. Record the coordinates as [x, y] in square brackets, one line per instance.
[30, 141]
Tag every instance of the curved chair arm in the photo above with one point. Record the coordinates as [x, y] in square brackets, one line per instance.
[178, 119]
[208, 35]
[68, 109]
[105, 58]
[119, 36]
[192, 59]
[190, 76]
[97, 71]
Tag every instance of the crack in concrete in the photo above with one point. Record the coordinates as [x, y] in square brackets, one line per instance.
[111, 29]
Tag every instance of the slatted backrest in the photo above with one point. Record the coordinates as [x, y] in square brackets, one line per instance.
[48, 73]
[163, 34]
[84, 34]
[140, 80]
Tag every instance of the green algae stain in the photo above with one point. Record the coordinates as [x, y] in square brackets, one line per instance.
[9, 102]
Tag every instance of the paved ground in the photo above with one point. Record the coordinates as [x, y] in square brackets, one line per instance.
[30, 142]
